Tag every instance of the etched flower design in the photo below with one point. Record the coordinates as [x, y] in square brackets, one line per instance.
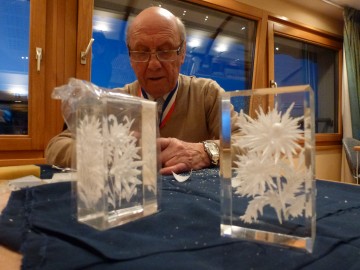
[88, 152]
[123, 160]
[266, 172]
[113, 140]
[254, 175]
[272, 134]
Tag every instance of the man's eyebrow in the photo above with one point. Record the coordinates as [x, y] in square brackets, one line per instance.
[168, 45]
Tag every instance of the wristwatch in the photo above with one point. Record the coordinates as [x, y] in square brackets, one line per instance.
[212, 149]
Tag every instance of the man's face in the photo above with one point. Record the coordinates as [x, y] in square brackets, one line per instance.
[156, 77]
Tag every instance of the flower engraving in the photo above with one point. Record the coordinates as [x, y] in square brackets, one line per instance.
[123, 161]
[271, 134]
[108, 160]
[89, 155]
[267, 173]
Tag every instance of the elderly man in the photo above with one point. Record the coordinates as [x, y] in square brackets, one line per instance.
[189, 121]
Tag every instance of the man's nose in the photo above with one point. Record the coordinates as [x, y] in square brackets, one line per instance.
[154, 59]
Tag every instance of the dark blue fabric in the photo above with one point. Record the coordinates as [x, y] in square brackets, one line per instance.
[185, 234]
[47, 171]
[13, 221]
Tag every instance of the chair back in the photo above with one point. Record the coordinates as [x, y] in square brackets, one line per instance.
[350, 154]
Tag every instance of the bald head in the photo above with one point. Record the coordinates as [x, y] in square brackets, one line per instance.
[159, 34]
[151, 19]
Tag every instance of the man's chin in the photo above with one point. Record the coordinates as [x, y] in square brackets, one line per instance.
[155, 88]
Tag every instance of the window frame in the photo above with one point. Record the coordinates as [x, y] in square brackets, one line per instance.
[298, 32]
[34, 139]
[52, 28]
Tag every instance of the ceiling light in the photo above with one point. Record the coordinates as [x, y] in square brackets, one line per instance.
[101, 26]
[221, 48]
[194, 43]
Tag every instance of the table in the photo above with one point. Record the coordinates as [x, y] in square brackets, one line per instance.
[184, 234]
[11, 259]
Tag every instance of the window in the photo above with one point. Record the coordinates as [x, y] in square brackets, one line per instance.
[14, 66]
[300, 57]
[298, 62]
[21, 84]
[219, 45]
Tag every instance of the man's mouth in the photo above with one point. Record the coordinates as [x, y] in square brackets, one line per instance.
[155, 78]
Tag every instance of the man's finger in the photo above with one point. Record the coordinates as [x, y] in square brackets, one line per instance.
[177, 168]
[163, 142]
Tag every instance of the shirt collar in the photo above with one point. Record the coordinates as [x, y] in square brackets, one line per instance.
[149, 97]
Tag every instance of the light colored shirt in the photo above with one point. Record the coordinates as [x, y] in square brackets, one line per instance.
[196, 117]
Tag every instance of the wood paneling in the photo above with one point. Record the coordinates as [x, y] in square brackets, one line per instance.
[61, 59]
[84, 27]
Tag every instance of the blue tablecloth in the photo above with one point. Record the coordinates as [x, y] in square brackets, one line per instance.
[185, 234]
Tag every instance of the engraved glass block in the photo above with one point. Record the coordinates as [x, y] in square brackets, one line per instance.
[116, 156]
[267, 169]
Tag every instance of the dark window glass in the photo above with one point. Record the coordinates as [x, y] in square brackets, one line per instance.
[14, 66]
[298, 62]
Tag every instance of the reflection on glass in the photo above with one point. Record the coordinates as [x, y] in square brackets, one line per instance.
[298, 63]
[14, 51]
[219, 45]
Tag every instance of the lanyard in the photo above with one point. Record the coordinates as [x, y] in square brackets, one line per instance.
[168, 106]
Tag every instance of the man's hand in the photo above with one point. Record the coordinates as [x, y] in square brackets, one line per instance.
[179, 156]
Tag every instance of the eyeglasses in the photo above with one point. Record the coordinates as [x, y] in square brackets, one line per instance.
[163, 56]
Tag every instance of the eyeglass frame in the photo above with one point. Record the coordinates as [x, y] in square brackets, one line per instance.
[156, 53]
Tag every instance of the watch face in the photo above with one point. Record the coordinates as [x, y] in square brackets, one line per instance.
[213, 149]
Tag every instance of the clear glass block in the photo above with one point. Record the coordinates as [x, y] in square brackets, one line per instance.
[116, 156]
[267, 170]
